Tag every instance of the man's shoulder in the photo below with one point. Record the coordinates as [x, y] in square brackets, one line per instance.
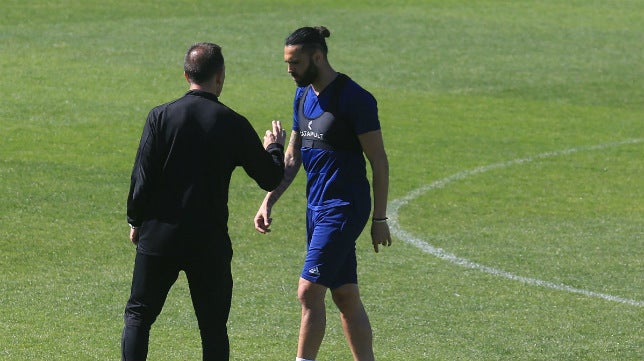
[352, 87]
[163, 107]
[189, 100]
[354, 96]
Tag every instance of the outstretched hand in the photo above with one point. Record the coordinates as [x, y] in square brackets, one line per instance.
[276, 135]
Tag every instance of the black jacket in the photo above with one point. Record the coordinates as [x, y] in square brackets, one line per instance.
[179, 187]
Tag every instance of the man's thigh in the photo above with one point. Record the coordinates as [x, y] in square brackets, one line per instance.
[211, 283]
[152, 279]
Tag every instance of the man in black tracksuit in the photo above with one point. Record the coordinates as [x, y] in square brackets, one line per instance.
[177, 205]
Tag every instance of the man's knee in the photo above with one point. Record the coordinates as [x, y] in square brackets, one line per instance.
[310, 294]
[138, 315]
[346, 297]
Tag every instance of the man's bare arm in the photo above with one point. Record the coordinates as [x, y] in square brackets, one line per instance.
[292, 163]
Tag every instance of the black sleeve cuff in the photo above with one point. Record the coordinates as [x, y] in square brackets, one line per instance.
[275, 147]
[133, 223]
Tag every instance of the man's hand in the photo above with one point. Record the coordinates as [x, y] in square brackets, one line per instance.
[277, 135]
[134, 235]
[263, 219]
[380, 235]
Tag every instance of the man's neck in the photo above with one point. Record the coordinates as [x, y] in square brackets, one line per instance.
[204, 88]
[325, 77]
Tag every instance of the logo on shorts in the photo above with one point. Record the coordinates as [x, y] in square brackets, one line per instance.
[314, 271]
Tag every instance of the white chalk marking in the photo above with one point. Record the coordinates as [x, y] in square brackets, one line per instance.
[400, 233]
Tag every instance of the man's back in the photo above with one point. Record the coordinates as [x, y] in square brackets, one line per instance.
[182, 172]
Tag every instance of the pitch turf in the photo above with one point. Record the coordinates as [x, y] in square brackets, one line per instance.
[466, 91]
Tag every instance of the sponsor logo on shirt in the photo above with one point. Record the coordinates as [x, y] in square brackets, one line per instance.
[310, 134]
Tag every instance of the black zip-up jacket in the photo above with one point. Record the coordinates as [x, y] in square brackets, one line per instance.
[179, 187]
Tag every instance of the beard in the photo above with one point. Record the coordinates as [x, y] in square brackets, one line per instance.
[308, 77]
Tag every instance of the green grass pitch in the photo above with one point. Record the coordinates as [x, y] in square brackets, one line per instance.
[466, 89]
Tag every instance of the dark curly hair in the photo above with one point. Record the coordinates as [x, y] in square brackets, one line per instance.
[311, 38]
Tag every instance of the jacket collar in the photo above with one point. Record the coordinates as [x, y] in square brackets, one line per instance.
[203, 94]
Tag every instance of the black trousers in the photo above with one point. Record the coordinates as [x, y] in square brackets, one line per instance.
[210, 282]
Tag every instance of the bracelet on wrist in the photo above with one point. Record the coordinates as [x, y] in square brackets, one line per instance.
[379, 220]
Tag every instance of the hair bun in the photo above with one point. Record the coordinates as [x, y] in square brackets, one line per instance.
[323, 31]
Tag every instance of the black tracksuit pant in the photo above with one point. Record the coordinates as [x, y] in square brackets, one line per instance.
[210, 282]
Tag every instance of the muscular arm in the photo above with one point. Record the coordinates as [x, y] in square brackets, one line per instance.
[374, 149]
[292, 163]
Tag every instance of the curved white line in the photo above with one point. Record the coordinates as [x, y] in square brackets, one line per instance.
[400, 233]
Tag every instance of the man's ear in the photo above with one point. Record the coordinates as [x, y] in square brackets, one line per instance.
[317, 57]
[185, 75]
[220, 75]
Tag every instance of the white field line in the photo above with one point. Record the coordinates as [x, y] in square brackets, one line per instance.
[399, 232]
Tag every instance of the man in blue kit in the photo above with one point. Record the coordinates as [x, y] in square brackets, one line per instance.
[335, 122]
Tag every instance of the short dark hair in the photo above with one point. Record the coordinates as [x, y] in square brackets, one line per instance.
[202, 62]
[310, 38]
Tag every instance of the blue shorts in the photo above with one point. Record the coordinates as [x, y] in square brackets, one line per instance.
[331, 236]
